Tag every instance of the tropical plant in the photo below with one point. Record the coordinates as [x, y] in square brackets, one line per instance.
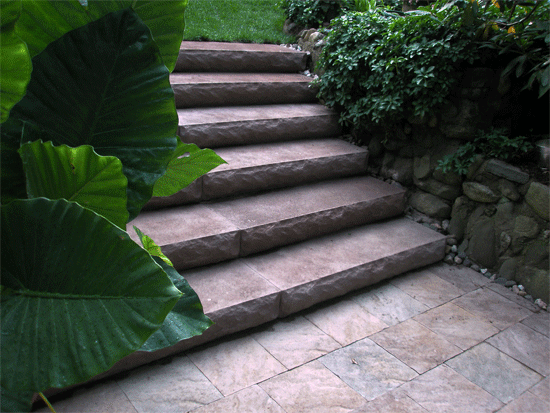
[380, 66]
[85, 141]
[312, 13]
[492, 144]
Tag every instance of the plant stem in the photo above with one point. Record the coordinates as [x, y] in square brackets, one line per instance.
[47, 402]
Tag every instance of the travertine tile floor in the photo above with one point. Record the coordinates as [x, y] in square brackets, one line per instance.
[441, 339]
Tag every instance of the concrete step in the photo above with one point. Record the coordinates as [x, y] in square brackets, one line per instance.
[239, 125]
[203, 234]
[232, 89]
[247, 292]
[255, 168]
[239, 57]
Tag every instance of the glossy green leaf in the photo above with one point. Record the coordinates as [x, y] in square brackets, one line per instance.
[151, 246]
[187, 164]
[79, 175]
[12, 184]
[44, 21]
[105, 85]
[15, 61]
[186, 319]
[64, 320]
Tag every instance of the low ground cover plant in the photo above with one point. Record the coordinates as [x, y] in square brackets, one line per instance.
[88, 135]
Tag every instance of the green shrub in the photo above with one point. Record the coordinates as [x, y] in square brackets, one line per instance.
[311, 13]
[492, 144]
[381, 66]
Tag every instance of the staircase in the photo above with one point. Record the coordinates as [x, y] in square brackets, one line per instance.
[292, 219]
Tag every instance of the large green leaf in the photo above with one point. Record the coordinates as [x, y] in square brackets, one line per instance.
[186, 319]
[104, 85]
[79, 175]
[77, 295]
[15, 61]
[44, 21]
[12, 184]
[187, 164]
[151, 246]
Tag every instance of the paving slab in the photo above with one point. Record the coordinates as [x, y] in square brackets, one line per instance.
[191, 235]
[457, 325]
[169, 388]
[193, 90]
[510, 295]
[389, 304]
[428, 288]
[368, 368]
[239, 57]
[312, 388]
[444, 390]
[499, 311]
[525, 345]
[495, 372]
[295, 341]
[277, 165]
[527, 402]
[542, 390]
[295, 214]
[238, 125]
[253, 399]
[539, 322]
[461, 277]
[415, 345]
[345, 321]
[236, 364]
[394, 401]
[324, 268]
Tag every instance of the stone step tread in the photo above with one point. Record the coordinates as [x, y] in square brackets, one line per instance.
[236, 78]
[254, 168]
[214, 127]
[247, 292]
[202, 234]
[223, 114]
[242, 57]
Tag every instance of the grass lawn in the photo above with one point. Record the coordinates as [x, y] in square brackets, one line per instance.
[254, 21]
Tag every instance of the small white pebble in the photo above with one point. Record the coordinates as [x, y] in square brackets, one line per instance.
[541, 303]
[521, 287]
[483, 270]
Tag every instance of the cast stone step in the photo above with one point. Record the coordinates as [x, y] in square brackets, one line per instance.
[239, 57]
[239, 125]
[248, 292]
[231, 89]
[202, 234]
[255, 168]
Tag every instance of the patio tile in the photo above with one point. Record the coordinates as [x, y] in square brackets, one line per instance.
[395, 401]
[525, 345]
[499, 311]
[295, 341]
[542, 390]
[235, 364]
[526, 403]
[389, 304]
[415, 345]
[173, 387]
[463, 278]
[457, 326]
[427, 288]
[368, 368]
[345, 321]
[494, 371]
[444, 390]
[250, 400]
[539, 322]
[102, 397]
[312, 388]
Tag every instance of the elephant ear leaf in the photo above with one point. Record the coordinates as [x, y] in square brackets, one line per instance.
[188, 163]
[186, 319]
[111, 91]
[77, 295]
[79, 175]
[15, 59]
[151, 246]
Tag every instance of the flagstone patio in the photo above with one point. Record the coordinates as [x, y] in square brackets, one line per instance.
[439, 339]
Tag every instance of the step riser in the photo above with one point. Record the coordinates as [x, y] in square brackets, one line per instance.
[240, 61]
[260, 131]
[244, 242]
[234, 94]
